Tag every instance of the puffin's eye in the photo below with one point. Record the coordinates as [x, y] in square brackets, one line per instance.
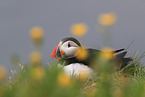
[69, 45]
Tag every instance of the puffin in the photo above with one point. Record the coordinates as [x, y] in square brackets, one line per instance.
[68, 49]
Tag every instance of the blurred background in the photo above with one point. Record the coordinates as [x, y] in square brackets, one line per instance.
[56, 16]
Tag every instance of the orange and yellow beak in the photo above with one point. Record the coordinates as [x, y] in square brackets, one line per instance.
[57, 53]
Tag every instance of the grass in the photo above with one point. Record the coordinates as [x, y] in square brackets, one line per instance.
[49, 81]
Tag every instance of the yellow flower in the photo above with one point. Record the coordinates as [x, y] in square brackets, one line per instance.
[35, 57]
[82, 54]
[3, 72]
[37, 73]
[107, 19]
[83, 74]
[107, 53]
[64, 80]
[79, 30]
[36, 33]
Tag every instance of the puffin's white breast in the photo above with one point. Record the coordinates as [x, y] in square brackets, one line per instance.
[76, 69]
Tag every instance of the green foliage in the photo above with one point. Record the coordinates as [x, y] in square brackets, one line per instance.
[31, 84]
[39, 81]
[135, 68]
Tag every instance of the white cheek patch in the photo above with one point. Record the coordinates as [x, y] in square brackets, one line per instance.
[69, 51]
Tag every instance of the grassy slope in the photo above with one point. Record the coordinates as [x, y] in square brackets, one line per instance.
[37, 81]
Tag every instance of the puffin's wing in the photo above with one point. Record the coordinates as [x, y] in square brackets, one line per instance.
[119, 56]
[119, 50]
[122, 60]
[94, 51]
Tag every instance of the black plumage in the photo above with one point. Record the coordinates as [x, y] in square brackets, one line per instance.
[93, 55]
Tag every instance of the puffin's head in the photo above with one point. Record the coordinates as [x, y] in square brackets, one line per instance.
[67, 48]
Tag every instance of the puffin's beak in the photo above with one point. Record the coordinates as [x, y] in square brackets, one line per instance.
[57, 53]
